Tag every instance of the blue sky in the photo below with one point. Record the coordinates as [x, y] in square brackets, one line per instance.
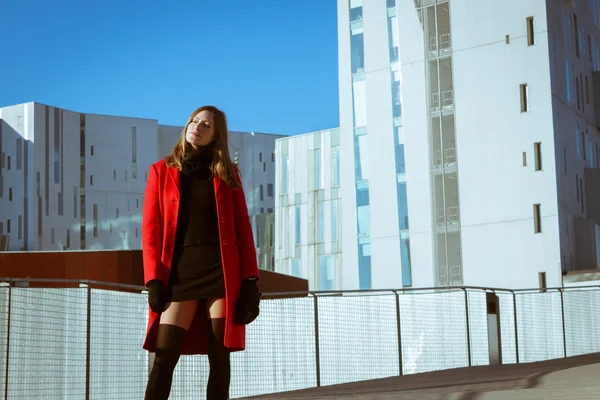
[270, 65]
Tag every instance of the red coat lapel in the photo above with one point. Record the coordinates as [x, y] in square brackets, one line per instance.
[174, 174]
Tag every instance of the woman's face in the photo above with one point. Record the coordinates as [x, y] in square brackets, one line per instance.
[201, 130]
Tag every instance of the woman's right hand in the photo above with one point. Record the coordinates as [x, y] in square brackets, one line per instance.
[156, 296]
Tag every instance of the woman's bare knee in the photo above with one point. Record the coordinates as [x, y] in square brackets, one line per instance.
[179, 313]
[216, 308]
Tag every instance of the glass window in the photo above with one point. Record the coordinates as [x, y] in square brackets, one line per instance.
[361, 157]
[364, 265]
[393, 38]
[335, 166]
[362, 209]
[284, 173]
[296, 268]
[399, 140]
[318, 178]
[262, 193]
[357, 50]
[359, 101]
[391, 3]
[396, 95]
[297, 225]
[327, 272]
[270, 189]
[577, 139]
[320, 222]
[402, 206]
[405, 261]
[335, 229]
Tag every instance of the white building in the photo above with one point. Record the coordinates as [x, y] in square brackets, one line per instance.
[477, 122]
[76, 181]
[308, 234]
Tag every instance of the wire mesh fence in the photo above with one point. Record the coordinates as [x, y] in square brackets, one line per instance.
[86, 342]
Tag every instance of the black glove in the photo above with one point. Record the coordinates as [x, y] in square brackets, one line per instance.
[156, 296]
[247, 306]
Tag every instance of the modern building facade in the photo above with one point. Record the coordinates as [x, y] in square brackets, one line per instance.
[308, 226]
[76, 181]
[469, 148]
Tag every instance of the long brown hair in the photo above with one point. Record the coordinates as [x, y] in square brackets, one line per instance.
[222, 166]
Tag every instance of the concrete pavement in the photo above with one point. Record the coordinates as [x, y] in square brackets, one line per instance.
[570, 378]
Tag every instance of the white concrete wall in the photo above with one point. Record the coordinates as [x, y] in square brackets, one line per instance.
[109, 180]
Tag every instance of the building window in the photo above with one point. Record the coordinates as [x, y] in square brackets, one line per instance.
[68, 238]
[95, 219]
[270, 189]
[8, 226]
[296, 268]
[284, 173]
[20, 228]
[335, 228]
[587, 91]
[393, 37]
[133, 152]
[357, 50]
[576, 34]
[399, 140]
[405, 261]
[19, 154]
[524, 100]
[297, 226]
[538, 156]
[8, 163]
[396, 95]
[270, 210]
[581, 194]
[359, 100]
[391, 3]
[363, 213]
[320, 222]
[261, 193]
[590, 49]
[356, 12]
[577, 186]
[361, 156]
[318, 177]
[568, 80]
[74, 201]
[537, 221]
[91, 150]
[327, 272]
[60, 204]
[364, 264]
[402, 206]
[524, 159]
[335, 155]
[530, 32]
[578, 93]
[91, 180]
[9, 194]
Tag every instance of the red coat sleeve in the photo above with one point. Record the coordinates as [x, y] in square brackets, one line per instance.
[243, 230]
[151, 235]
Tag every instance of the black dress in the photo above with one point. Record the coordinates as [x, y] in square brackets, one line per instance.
[197, 269]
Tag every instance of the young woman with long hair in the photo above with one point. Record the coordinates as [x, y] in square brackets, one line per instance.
[199, 256]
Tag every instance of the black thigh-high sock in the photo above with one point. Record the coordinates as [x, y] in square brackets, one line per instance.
[168, 349]
[218, 358]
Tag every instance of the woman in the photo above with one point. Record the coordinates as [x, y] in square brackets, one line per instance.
[199, 256]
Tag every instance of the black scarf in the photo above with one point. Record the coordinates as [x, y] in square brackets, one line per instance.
[197, 163]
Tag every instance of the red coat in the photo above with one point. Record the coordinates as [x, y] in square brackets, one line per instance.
[159, 225]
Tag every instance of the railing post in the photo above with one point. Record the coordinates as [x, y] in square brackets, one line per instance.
[564, 329]
[88, 344]
[317, 352]
[399, 332]
[7, 340]
[516, 323]
[468, 328]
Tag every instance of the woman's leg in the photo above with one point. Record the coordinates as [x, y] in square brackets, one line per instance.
[174, 324]
[218, 354]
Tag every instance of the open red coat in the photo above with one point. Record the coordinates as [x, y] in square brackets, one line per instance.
[159, 225]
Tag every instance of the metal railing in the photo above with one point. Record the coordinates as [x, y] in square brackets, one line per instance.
[86, 342]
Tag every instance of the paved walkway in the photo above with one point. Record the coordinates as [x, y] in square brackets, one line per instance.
[570, 378]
